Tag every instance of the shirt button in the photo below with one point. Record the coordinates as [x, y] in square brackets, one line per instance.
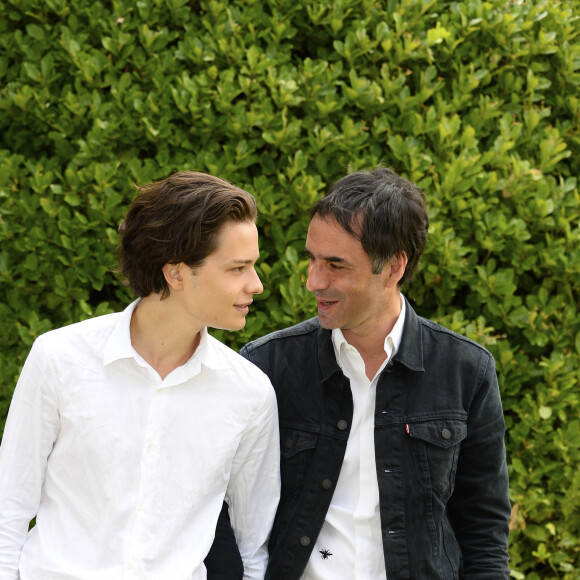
[445, 433]
[326, 484]
[305, 540]
[139, 507]
[342, 425]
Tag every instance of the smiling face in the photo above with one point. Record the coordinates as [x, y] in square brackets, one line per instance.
[348, 294]
[219, 292]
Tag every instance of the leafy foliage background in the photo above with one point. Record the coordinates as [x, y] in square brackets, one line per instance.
[476, 101]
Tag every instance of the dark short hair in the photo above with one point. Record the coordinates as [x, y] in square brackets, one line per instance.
[382, 210]
[176, 220]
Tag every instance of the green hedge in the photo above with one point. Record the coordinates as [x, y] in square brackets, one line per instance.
[477, 101]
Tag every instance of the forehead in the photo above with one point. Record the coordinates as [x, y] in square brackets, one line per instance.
[236, 238]
[327, 239]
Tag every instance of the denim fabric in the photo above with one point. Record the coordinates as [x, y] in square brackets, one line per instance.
[439, 446]
[223, 561]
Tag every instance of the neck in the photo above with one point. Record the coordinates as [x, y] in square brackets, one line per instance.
[158, 337]
[370, 340]
[371, 348]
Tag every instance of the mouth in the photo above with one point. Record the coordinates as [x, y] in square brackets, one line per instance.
[324, 305]
[243, 308]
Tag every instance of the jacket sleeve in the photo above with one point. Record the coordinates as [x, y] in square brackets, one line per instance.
[254, 488]
[29, 435]
[479, 509]
[223, 561]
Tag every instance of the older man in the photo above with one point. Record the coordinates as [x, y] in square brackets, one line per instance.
[392, 432]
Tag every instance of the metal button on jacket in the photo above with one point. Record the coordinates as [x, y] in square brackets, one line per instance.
[326, 484]
[342, 424]
[305, 540]
[445, 433]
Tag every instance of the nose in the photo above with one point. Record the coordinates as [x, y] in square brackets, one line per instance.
[255, 284]
[317, 279]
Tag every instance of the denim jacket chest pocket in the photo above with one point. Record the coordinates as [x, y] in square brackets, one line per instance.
[436, 444]
[296, 449]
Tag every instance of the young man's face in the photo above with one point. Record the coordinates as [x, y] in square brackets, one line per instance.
[348, 294]
[218, 293]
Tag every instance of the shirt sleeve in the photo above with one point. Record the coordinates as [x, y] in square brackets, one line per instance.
[254, 488]
[31, 429]
[479, 509]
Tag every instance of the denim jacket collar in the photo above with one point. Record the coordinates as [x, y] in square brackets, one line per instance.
[410, 352]
[326, 356]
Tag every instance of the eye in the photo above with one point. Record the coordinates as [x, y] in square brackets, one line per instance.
[335, 266]
[238, 269]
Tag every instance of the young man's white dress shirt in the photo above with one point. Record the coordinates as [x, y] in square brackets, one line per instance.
[350, 545]
[126, 473]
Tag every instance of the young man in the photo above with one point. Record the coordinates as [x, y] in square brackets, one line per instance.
[126, 432]
[392, 432]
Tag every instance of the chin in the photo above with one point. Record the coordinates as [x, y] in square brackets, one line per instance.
[327, 324]
[232, 325]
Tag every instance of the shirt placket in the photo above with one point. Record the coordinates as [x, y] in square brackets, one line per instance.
[366, 526]
[144, 512]
[354, 368]
[363, 530]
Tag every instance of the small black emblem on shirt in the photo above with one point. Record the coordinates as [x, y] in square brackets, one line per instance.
[325, 554]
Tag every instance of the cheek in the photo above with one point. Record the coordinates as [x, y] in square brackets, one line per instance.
[350, 289]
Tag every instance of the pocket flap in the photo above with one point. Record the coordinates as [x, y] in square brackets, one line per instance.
[440, 432]
[293, 441]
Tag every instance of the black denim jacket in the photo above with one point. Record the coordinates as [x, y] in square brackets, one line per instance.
[439, 446]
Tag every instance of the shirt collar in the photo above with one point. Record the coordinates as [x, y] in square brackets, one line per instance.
[392, 341]
[119, 347]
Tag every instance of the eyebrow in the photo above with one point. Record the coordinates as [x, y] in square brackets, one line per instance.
[334, 259]
[242, 261]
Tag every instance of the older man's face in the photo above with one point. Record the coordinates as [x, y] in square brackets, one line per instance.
[348, 294]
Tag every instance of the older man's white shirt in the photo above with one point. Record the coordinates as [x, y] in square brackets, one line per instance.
[350, 545]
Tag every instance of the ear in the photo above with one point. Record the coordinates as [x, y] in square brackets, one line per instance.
[397, 266]
[173, 277]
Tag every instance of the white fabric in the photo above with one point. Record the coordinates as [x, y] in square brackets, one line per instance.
[352, 528]
[127, 472]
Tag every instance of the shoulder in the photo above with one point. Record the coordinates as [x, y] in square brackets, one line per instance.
[237, 364]
[422, 332]
[449, 353]
[247, 386]
[302, 332]
[427, 345]
[91, 333]
[436, 333]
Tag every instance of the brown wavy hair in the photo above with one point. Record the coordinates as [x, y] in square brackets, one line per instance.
[176, 220]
